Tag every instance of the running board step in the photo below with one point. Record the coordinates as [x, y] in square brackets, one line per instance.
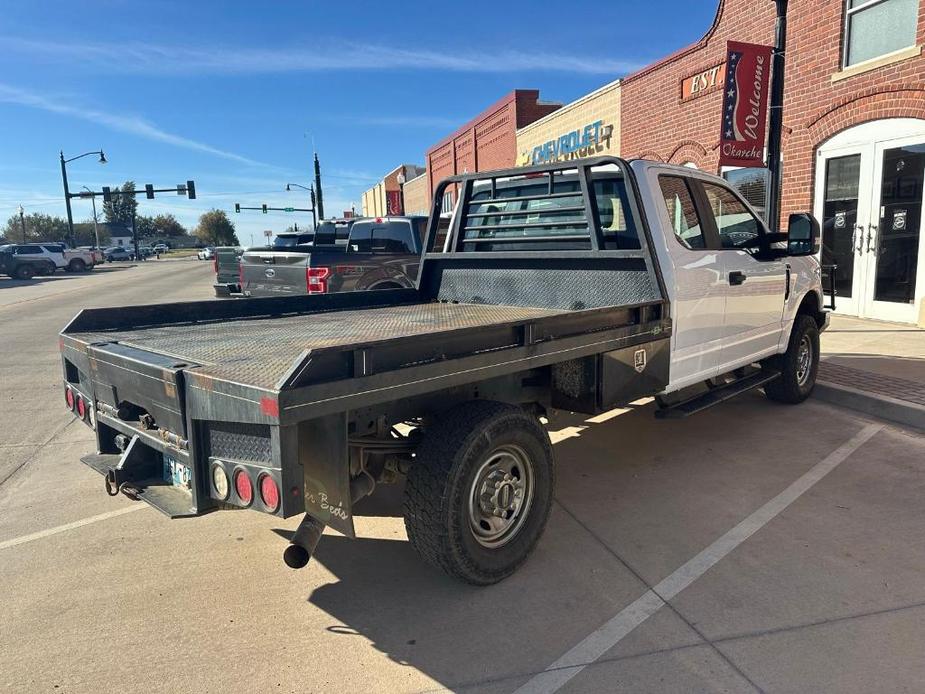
[717, 395]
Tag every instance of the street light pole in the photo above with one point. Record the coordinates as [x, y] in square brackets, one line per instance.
[67, 193]
[318, 188]
[401, 189]
[22, 222]
[96, 228]
[311, 192]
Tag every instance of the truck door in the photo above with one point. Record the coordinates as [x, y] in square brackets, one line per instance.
[755, 285]
[697, 283]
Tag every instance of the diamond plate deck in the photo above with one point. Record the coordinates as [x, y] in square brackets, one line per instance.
[258, 351]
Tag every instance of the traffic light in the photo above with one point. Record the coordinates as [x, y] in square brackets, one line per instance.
[191, 190]
[237, 207]
[264, 207]
[107, 194]
[149, 191]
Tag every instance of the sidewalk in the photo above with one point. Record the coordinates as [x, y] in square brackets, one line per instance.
[875, 367]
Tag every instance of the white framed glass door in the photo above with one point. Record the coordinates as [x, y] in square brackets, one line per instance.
[893, 242]
[869, 201]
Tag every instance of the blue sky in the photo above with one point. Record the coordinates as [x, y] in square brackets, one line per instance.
[232, 93]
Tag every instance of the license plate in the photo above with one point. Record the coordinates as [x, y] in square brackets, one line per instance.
[176, 473]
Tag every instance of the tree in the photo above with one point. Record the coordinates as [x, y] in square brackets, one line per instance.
[215, 229]
[121, 208]
[167, 225]
[39, 227]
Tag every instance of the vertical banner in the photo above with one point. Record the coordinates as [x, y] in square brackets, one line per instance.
[393, 204]
[745, 104]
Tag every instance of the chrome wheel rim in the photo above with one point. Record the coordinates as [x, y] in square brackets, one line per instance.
[804, 360]
[501, 496]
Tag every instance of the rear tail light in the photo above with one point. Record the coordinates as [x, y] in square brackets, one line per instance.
[220, 481]
[81, 407]
[269, 493]
[69, 398]
[244, 487]
[316, 279]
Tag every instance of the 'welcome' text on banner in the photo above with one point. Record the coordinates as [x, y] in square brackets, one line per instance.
[745, 104]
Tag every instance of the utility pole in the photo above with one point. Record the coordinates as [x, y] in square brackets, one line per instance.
[96, 227]
[776, 118]
[320, 202]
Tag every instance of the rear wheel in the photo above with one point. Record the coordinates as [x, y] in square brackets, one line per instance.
[77, 265]
[798, 365]
[479, 494]
[25, 272]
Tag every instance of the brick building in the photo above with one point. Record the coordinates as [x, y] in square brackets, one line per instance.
[853, 141]
[375, 201]
[488, 141]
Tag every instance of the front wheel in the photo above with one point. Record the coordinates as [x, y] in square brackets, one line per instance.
[479, 493]
[25, 272]
[798, 365]
[77, 265]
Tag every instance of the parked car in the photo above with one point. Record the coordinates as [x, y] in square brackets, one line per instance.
[377, 253]
[22, 267]
[582, 285]
[206, 253]
[114, 253]
[145, 252]
[58, 257]
[161, 248]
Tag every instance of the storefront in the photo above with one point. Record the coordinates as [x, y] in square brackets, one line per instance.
[385, 197]
[587, 127]
[853, 140]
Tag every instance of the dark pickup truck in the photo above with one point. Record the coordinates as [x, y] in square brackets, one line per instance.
[579, 286]
[373, 253]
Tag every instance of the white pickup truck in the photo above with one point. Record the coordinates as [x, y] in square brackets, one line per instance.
[57, 256]
[578, 286]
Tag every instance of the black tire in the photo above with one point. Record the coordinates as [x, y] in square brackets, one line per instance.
[77, 265]
[25, 272]
[449, 464]
[798, 376]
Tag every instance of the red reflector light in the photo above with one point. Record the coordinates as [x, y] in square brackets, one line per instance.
[69, 398]
[81, 407]
[269, 407]
[316, 279]
[269, 493]
[243, 487]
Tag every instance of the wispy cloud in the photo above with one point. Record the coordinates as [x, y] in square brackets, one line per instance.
[161, 58]
[134, 125]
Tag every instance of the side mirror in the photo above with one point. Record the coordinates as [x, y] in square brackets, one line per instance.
[803, 235]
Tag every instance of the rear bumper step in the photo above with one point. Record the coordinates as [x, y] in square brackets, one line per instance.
[170, 500]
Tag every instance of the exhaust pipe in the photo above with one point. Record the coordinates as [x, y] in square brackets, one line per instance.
[307, 535]
[303, 543]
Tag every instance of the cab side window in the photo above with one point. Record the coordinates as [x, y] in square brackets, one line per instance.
[682, 212]
[736, 225]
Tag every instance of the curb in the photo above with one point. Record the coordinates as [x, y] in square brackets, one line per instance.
[881, 406]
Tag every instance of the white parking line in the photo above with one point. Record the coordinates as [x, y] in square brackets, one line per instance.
[613, 631]
[22, 539]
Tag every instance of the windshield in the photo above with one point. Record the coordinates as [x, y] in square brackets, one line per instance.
[290, 240]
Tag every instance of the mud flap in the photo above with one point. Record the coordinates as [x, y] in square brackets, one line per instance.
[326, 471]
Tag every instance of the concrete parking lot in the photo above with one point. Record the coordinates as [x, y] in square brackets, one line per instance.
[755, 547]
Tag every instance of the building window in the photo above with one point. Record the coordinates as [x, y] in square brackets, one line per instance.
[447, 205]
[877, 27]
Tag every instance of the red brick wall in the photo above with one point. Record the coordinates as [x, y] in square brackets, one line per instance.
[655, 124]
[489, 140]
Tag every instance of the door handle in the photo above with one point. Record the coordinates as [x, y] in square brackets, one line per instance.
[736, 278]
[870, 236]
[858, 237]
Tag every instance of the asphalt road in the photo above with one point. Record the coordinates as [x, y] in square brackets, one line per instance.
[755, 547]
